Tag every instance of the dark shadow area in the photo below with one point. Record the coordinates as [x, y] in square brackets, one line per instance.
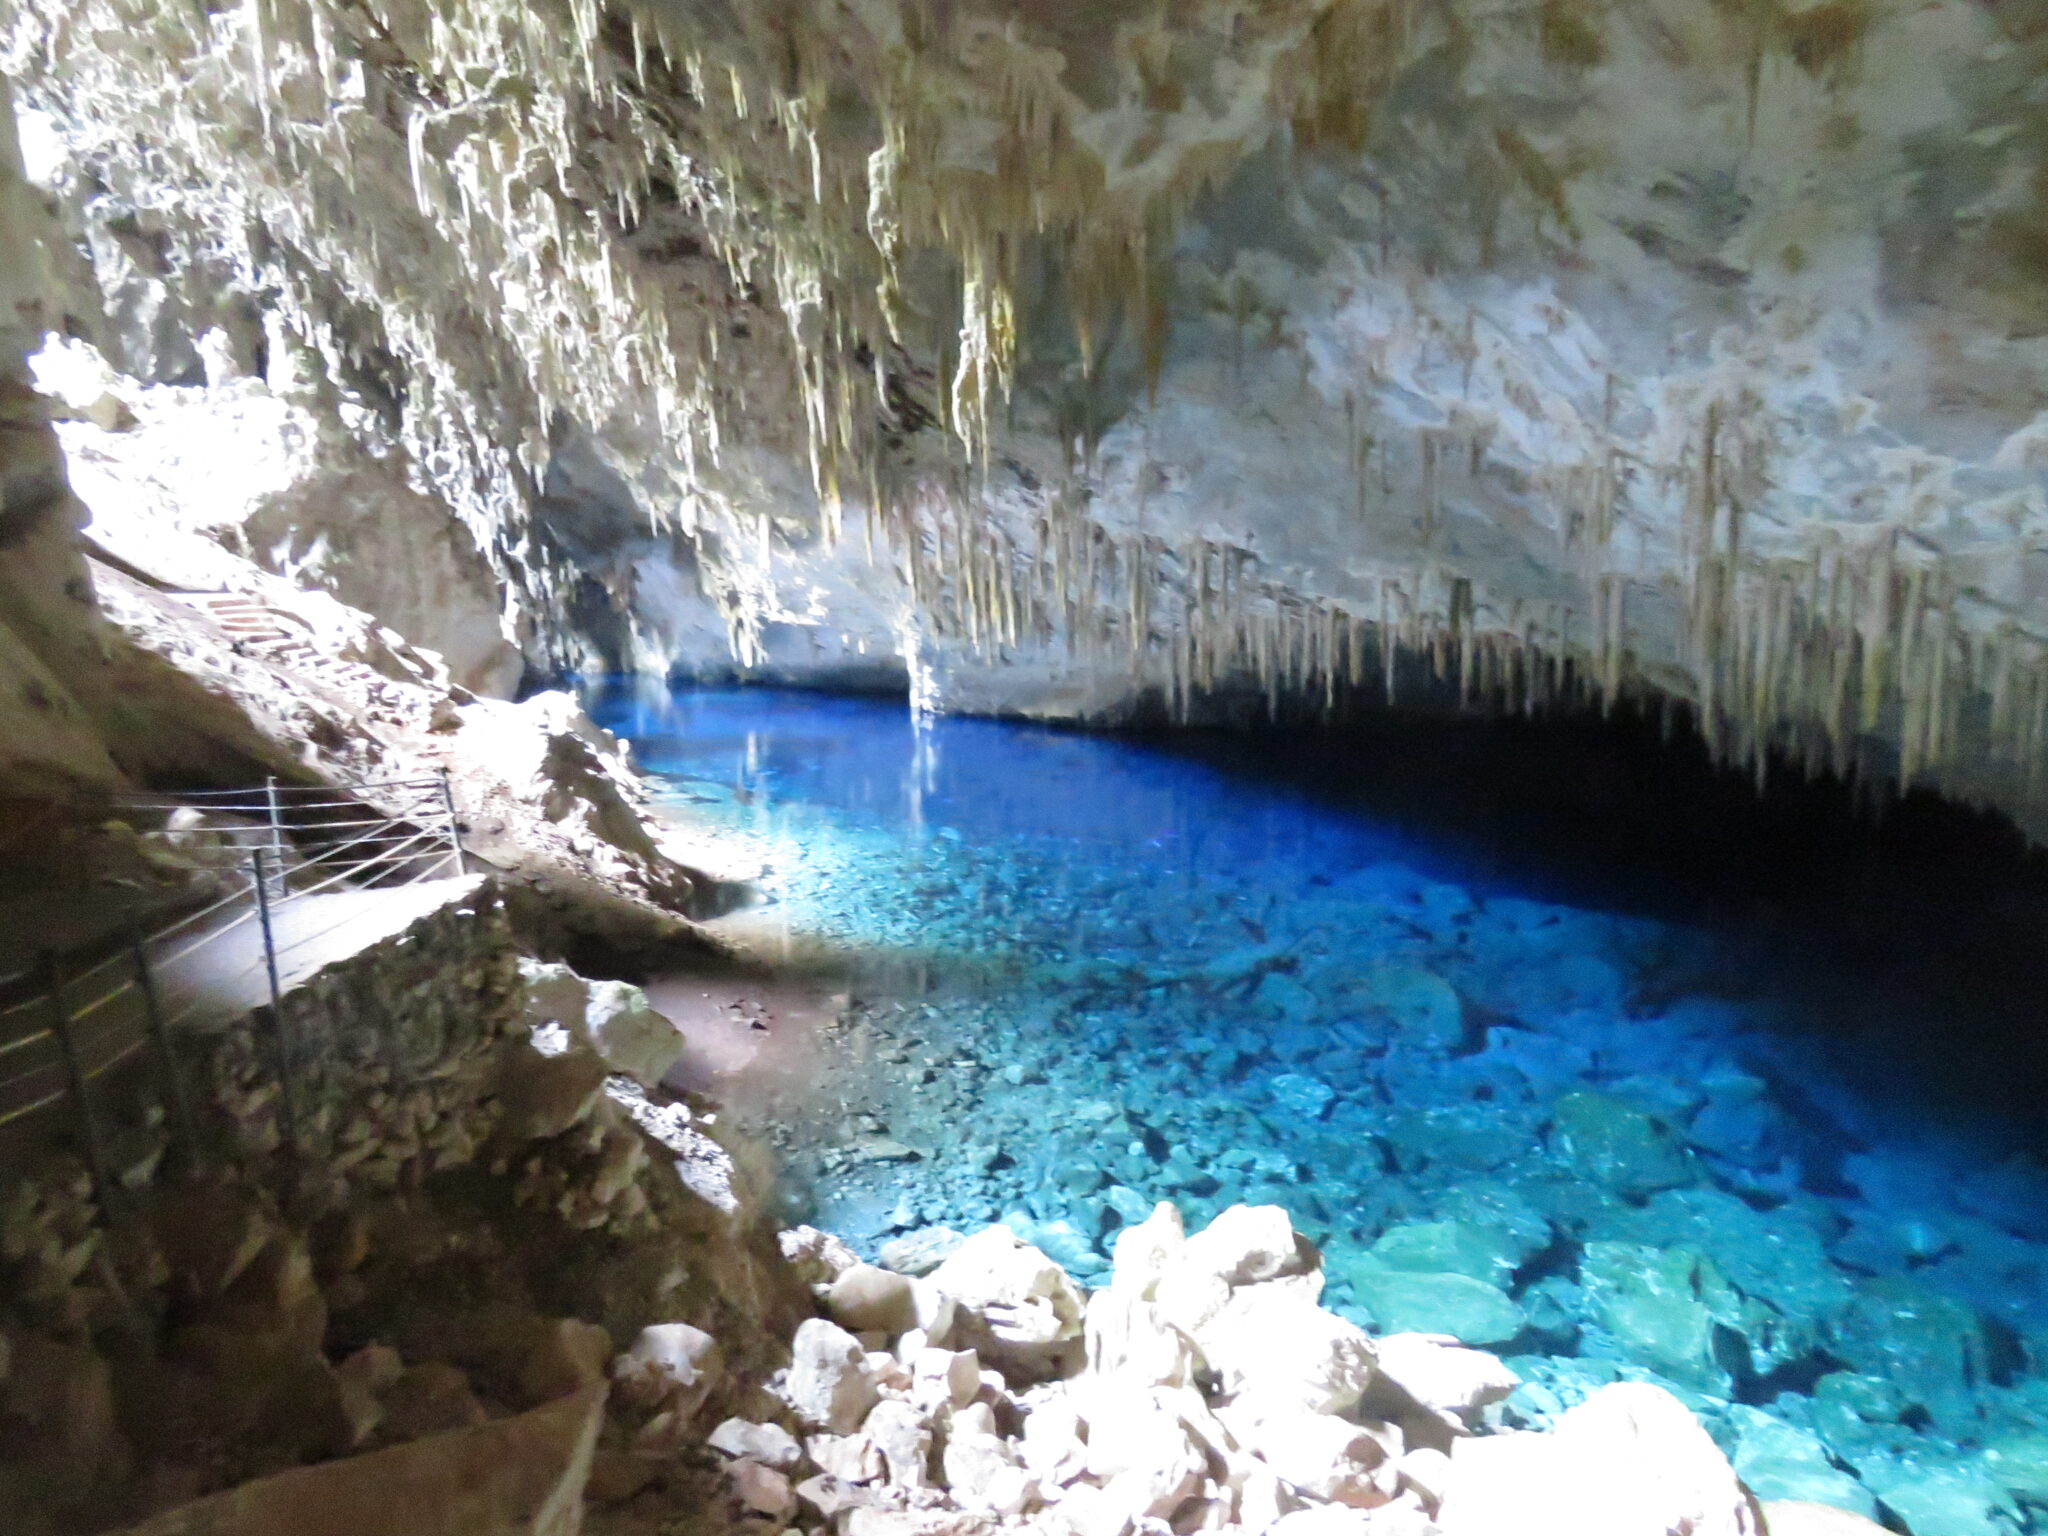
[1908, 928]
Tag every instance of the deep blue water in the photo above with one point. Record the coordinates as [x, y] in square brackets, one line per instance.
[1507, 1102]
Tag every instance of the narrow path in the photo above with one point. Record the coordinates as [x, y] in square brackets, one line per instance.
[210, 980]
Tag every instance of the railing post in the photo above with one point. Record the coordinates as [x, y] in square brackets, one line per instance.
[454, 826]
[287, 1103]
[74, 1077]
[276, 831]
[182, 1124]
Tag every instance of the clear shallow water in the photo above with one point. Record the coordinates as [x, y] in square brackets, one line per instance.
[1599, 1144]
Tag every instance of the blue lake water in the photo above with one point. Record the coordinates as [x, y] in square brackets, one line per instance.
[1092, 973]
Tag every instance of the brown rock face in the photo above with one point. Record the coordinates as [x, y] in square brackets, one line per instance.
[517, 1477]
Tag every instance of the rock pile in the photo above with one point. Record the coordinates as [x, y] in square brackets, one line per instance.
[1203, 1388]
[459, 1243]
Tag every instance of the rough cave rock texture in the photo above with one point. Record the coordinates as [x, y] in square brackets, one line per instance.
[1066, 356]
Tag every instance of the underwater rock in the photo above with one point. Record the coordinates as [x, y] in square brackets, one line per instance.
[1940, 1498]
[1470, 1138]
[1618, 1145]
[1777, 1460]
[1517, 1226]
[1796, 1517]
[1928, 1346]
[1304, 1098]
[1856, 1415]
[2017, 1461]
[1424, 1009]
[1774, 1256]
[919, 1253]
[1738, 1118]
[1662, 1306]
[1403, 1301]
[1454, 1247]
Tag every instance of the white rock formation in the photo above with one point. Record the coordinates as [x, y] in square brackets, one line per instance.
[1297, 1431]
[830, 1384]
[1628, 1460]
[1020, 1306]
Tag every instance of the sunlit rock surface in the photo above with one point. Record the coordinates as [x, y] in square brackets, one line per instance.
[1060, 357]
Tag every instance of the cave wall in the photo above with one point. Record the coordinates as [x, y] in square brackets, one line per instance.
[49, 635]
[1068, 360]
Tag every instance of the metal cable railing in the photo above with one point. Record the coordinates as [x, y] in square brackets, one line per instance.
[277, 849]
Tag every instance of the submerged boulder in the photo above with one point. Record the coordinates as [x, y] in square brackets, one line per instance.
[1453, 1247]
[1424, 1009]
[1613, 1143]
[1465, 1309]
[1663, 1306]
[1928, 1346]
[1779, 1460]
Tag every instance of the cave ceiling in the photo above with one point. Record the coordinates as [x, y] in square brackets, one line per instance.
[1070, 354]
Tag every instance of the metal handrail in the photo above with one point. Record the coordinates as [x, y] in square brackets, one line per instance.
[401, 848]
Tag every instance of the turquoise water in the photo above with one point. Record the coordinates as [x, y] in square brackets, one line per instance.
[1604, 1145]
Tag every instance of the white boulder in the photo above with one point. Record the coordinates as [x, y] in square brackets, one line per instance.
[630, 1034]
[761, 1490]
[1052, 1443]
[669, 1363]
[1143, 1252]
[830, 1383]
[613, 1018]
[865, 1299]
[1131, 1339]
[1443, 1375]
[1148, 1462]
[1629, 1461]
[942, 1378]
[769, 1444]
[1323, 1456]
[1271, 1345]
[1015, 1304]
[1245, 1245]
[904, 1439]
[1326, 1520]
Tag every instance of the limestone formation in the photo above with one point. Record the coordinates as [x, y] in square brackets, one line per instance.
[1097, 358]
